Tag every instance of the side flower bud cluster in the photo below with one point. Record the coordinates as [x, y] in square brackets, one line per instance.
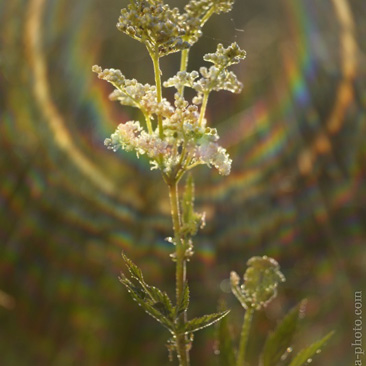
[261, 280]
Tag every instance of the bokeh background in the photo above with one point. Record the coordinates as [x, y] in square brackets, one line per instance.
[297, 135]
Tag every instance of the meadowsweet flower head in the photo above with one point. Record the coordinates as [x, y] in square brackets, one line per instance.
[225, 57]
[217, 77]
[212, 154]
[158, 26]
[202, 8]
[175, 137]
[132, 93]
[125, 136]
[130, 136]
[182, 78]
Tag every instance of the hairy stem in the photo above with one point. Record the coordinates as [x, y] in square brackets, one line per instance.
[244, 336]
[181, 339]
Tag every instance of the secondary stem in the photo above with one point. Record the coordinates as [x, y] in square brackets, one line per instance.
[183, 67]
[181, 339]
[244, 336]
[203, 108]
[155, 60]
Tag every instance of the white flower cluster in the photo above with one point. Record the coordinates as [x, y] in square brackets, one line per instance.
[185, 143]
[217, 77]
[176, 137]
[225, 57]
[167, 29]
[198, 8]
[130, 136]
[158, 26]
[197, 144]
[213, 154]
[132, 93]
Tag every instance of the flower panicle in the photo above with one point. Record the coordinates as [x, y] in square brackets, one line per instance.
[158, 26]
[202, 9]
[225, 57]
[176, 137]
[129, 92]
[167, 30]
[186, 143]
[131, 136]
[216, 78]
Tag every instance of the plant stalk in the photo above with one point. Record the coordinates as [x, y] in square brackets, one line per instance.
[244, 336]
[183, 67]
[180, 274]
[203, 108]
[155, 59]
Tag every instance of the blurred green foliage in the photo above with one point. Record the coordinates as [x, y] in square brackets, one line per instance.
[68, 206]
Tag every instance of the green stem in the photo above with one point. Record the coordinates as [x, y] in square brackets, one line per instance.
[180, 275]
[148, 122]
[155, 59]
[203, 108]
[207, 16]
[244, 336]
[183, 67]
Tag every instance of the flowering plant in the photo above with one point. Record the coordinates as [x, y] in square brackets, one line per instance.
[176, 137]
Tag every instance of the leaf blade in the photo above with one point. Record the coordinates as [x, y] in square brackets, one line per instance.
[204, 321]
[183, 302]
[307, 353]
[154, 301]
[225, 344]
[278, 341]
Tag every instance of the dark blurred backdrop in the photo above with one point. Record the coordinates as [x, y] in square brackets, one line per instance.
[69, 207]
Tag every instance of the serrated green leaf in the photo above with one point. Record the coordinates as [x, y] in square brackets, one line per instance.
[225, 344]
[160, 300]
[279, 340]
[140, 297]
[202, 322]
[133, 269]
[183, 302]
[131, 286]
[154, 301]
[306, 354]
[155, 295]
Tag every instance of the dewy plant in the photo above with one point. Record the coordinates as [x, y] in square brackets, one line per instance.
[176, 137]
